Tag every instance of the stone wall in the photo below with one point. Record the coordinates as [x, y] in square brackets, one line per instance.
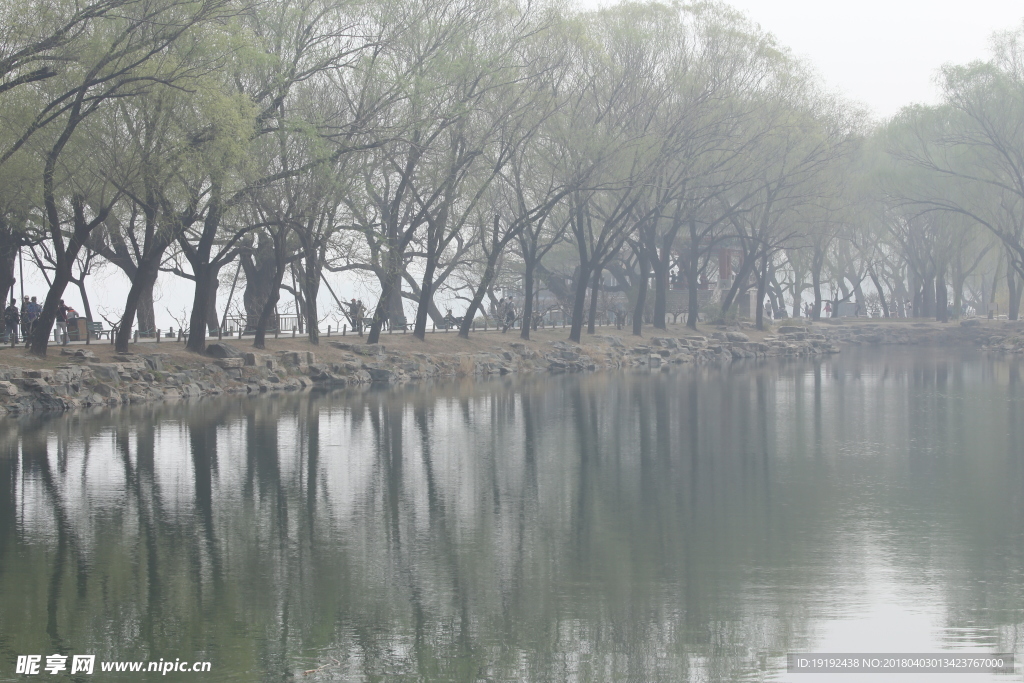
[141, 378]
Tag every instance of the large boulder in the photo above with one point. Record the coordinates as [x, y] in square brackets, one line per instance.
[222, 350]
[379, 375]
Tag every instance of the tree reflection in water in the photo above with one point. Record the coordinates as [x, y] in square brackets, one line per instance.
[676, 526]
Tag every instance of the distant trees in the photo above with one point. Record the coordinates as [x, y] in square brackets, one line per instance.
[439, 146]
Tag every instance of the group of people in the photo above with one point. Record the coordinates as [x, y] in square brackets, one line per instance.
[356, 313]
[506, 313]
[24, 320]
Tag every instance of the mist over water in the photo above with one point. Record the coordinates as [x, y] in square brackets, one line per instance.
[695, 525]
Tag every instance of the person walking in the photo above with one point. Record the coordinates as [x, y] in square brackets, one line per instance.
[510, 315]
[62, 322]
[354, 318]
[34, 309]
[11, 318]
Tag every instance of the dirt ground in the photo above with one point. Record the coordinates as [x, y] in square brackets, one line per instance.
[436, 343]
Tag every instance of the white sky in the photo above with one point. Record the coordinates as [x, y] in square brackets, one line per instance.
[881, 53]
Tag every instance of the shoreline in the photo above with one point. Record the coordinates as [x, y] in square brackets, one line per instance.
[83, 376]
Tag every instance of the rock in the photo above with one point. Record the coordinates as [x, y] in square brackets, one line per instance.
[33, 384]
[970, 322]
[106, 372]
[227, 363]
[107, 392]
[86, 354]
[222, 350]
[361, 349]
[8, 389]
[379, 375]
[39, 374]
[251, 359]
[291, 358]
[736, 337]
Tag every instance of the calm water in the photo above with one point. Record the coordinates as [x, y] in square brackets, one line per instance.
[689, 526]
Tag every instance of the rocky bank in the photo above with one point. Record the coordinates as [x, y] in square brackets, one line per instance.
[81, 377]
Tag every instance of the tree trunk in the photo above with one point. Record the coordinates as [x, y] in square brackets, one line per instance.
[200, 303]
[259, 273]
[390, 282]
[816, 284]
[692, 281]
[739, 282]
[881, 292]
[660, 268]
[928, 297]
[312, 286]
[478, 295]
[817, 263]
[44, 323]
[595, 291]
[941, 297]
[85, 300]
[8, 257]
[426, 296]
[212, 319]
[777, 296]
[270, 305]
[576, 331]
[641, 295]
[145, 310]
[1015, 292]
[205, 273]
[762, 286]
[528, 300]
[145, 277]
[958, 295]
[798, 288]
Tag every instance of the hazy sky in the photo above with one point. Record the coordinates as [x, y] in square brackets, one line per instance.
[883, 53]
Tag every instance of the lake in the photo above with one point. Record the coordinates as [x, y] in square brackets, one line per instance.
[694, 525]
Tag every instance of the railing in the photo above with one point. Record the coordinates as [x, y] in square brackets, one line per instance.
[604, 319]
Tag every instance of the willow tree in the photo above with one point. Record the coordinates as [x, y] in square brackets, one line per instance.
[120, 62]
[291, 45]
[973, 145]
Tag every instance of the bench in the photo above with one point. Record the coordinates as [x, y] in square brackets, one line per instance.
[400, 324]
[96, 330]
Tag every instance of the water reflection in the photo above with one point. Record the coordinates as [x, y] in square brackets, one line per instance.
[675, 526]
